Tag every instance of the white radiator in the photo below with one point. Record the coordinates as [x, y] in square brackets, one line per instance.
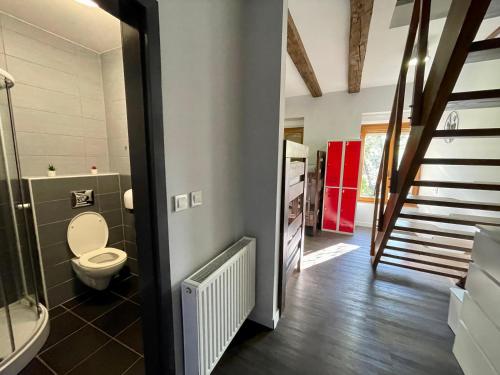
[216, 300]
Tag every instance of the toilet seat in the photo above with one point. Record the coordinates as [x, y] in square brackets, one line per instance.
[97, 259]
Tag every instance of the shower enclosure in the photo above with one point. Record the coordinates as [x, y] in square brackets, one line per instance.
[23, 320]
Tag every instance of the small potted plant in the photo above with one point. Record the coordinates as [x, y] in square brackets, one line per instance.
[51, 172]
[93, 170]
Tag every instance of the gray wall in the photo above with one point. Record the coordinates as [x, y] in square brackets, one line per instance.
[201, 68]
[209, 91]
[264, 43]
[58, 100]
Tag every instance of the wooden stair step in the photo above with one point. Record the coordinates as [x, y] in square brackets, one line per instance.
[428, 252]
[452, 202]
[424, 268]
[428, 261]
[484, 50]
[474, 99]
[450, 244]
[453, 161]
[416, 227]
[458, 185]
[470, 133]
[458, 219]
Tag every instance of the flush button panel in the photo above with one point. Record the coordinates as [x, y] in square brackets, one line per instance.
[82, 198]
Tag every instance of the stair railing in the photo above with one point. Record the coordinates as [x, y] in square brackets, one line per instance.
[392, 139]
[428, 104]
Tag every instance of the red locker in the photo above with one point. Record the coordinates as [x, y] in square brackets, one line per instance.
[347, 210]
[341, 184]
[333, 164]
[351, 164]
[330, 209]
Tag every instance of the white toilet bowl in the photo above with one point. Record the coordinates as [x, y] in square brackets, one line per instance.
[94, 264]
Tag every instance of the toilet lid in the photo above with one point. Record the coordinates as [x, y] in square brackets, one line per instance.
[87, 231]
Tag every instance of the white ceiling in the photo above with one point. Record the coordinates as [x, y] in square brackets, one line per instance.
[92, 28]
[324, 28]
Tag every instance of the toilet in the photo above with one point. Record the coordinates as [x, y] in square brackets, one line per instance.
[94, 263]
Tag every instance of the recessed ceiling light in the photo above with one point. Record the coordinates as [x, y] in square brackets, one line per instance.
[89, 3]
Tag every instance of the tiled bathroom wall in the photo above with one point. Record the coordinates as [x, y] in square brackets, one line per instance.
[58, 100]
[51, 202]
[116, 110]
[129, 228]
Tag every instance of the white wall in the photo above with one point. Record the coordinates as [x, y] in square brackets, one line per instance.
[58, 100]
[338, 116]
[478, 76]
[213, 70]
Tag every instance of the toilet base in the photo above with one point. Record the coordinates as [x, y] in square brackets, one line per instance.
[98, 283]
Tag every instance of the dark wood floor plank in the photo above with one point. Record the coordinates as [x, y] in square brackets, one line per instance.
[340, 319]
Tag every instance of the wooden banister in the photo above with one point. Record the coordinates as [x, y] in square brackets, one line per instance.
[429, 102]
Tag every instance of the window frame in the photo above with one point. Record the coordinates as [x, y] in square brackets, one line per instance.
[367, 129]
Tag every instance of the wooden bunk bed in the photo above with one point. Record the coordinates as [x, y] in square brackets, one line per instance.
[314, 202]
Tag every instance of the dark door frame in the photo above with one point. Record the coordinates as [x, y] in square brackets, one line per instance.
[142, 67]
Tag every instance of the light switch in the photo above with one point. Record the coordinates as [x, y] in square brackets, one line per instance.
[181, 202]
[196, 198]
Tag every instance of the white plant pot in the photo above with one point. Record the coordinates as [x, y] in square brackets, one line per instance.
[93, 171]
[51, 173]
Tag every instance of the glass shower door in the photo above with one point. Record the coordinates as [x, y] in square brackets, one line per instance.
[18, 288]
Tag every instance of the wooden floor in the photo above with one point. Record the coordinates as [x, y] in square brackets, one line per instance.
[340, 319]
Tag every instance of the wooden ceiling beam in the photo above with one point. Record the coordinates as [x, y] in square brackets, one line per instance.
[298, 54]
[361, 15]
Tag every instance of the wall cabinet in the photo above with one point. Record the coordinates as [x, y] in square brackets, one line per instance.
[341, 185]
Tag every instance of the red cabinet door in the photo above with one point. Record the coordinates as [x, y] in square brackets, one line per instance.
[333, 164]
[330, 208]
[347, 210]
[351, 164]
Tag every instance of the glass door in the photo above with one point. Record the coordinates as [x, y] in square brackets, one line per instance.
[18, 286]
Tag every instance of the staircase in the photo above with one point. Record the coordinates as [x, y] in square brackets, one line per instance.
[432, 240]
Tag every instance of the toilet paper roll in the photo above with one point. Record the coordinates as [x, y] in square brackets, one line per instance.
[128, 200]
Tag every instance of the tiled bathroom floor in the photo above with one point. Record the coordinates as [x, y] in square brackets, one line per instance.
[99, 333]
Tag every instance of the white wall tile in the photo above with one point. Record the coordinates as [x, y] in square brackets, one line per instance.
[45, 100]
[94, 128]
[35, 33]
[93, 108]
[59, 101]
[42, 76]
[32, 50]
[118, 147]
[32, 120]
[120, 164]
[101, 162]
[95, 147]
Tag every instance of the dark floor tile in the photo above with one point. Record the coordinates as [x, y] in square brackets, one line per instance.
[67, 353]
[79, 299]
[61, 327]
[112, 359]
[132, 337]
[126, 288]
[116, 320]
[136, 298]
[56, 311]
[35, 367]
[137, 369]
[96, 306]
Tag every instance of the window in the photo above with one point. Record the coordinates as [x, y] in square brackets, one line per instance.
[373, 138]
